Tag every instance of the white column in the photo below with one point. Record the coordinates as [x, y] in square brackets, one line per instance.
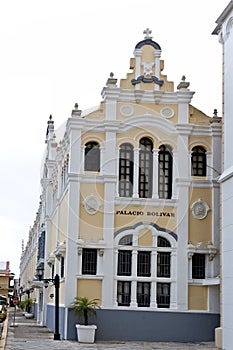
[133, 302]
[190, 266]
[82, 159]
[115, 303]
[153, 302]
[175, 174]
[155, 174]
[100, 262]
[138, 55]
[115, 257]
[117, 171]
[157, 54]
[110, 178]
[75, 152]
[173, 290]
[135, 173]
[182, 231]
[209, 166]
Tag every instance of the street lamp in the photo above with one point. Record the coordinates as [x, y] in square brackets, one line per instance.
[56, 282]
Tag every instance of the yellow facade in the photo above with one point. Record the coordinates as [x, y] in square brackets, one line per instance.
[92, 289]
[200, 230]
[198, 298]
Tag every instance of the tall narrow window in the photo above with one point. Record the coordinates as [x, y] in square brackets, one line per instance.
[62, 266]
[123, 293]
[198, 161]
[163, 264]
[52, 271]
[163, 295]
[92, 156]
[145, 168]
[143, 268]
[165, 172]
[126, 170]
[143, 293]
[198, 266]
[124, 262]
[89, 261]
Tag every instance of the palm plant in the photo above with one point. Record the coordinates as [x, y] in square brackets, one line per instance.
[85, 307]
[28, 304]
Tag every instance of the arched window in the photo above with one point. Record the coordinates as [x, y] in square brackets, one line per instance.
[198, 161]
[126, 240]
[163, 242]
[92, 156]
[145, 168]
[136, 275]
[126, 170]
[165, 172]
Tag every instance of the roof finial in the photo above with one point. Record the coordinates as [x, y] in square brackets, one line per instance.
[147, 33]
[111, 80]
[76, 112]
[215, 118]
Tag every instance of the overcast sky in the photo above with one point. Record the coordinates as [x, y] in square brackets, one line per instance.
[56, 53]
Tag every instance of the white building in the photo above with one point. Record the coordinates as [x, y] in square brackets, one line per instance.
[130, 210]
[224, 30]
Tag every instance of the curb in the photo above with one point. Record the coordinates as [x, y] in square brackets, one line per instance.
[4, 333]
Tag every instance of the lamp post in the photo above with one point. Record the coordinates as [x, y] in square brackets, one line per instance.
[56, 282]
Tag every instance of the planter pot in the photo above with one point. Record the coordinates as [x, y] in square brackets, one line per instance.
[29, 315]
[86, 334]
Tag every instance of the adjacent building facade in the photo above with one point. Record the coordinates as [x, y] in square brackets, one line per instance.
[129, 210]
[224, 31]
[6, 281]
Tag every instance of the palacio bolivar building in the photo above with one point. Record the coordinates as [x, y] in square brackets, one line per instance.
[129, 211]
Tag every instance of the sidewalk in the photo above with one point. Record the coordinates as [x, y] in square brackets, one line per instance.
[28, 335]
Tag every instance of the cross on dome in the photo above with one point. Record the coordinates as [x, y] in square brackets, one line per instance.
[147, 33]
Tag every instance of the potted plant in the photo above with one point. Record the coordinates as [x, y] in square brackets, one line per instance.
[20, 305]
[28, 305]
[85, 307]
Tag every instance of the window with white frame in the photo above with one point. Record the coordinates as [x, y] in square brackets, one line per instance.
[145, 168]
[126, 170]
[143, 271]
[165, 172]
[62, 266]
[92, 156]
[198, 266]
[89, 261]
[198, 161]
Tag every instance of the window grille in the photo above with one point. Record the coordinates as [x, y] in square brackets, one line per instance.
[89, 261]
[198, 161]
[92, 157]
[126, 170]
[163, 295]
[124, 262]
[164, 264]
[144, 262]
[62, 266]
[163, 242]
[198, 266]
[123, 293]
[145, 168]
[165, 172]
[143, 294]
[126, 240]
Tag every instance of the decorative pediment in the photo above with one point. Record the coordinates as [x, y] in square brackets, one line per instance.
[51, 259]
[60, 250]
[201, 248]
